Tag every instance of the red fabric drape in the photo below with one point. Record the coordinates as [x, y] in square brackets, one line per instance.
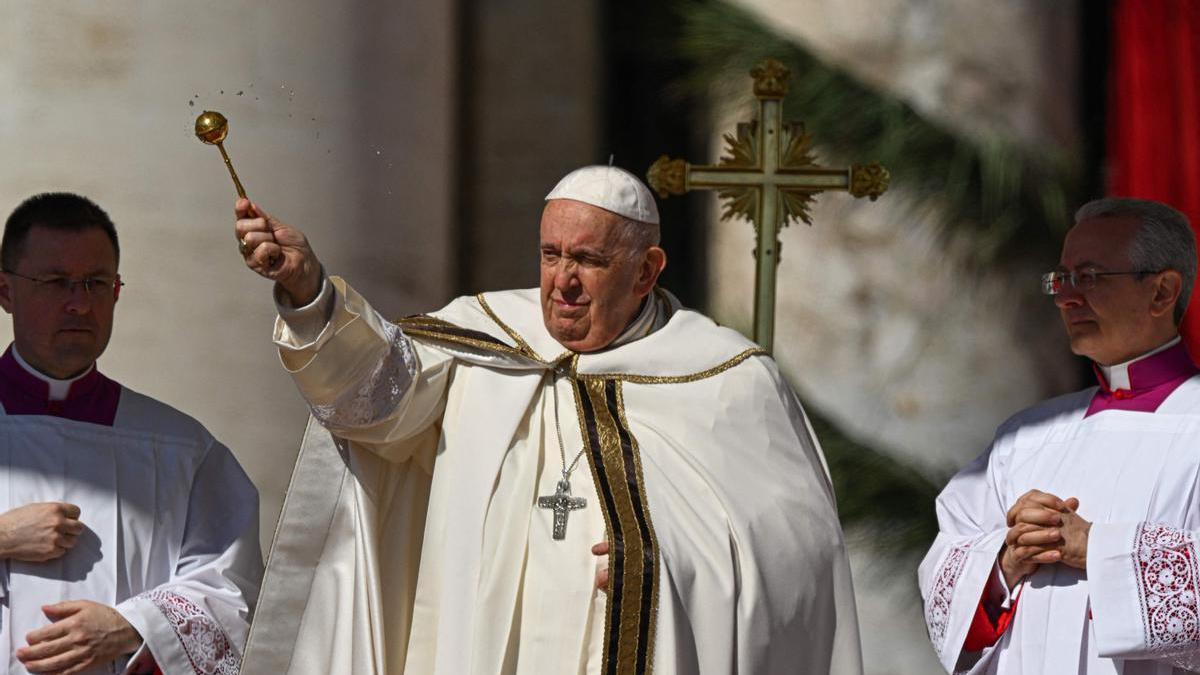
[1154, 113]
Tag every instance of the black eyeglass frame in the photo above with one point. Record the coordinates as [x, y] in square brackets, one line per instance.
[1073, 278]
[86, 282]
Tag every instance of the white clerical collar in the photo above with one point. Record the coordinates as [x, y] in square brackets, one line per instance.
[655, 312]
[1117, 376]
[58, 388]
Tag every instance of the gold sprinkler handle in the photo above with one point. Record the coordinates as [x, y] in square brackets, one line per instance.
[232, 174]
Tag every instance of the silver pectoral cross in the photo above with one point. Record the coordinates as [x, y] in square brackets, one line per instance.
[562, 503]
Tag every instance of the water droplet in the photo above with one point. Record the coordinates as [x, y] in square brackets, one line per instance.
[222, 91]
[192, 103]
[378, 152]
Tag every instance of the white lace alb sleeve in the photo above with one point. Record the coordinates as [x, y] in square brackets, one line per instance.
[1144, 587]
[363, 378]
[379, 391]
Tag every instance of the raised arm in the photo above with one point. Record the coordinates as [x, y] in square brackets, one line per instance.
[363, 378]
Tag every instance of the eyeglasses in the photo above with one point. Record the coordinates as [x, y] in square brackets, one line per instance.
[64, 287]
[1053, 283]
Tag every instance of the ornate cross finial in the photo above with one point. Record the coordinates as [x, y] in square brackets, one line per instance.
[768, 174]
[770, 79]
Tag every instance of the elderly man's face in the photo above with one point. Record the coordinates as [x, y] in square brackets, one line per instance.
[60, 332]
[1122, 317]
[592, 284]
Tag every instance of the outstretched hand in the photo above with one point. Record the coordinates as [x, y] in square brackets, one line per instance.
[277, 251]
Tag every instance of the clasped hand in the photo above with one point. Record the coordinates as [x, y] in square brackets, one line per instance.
[1043, 529]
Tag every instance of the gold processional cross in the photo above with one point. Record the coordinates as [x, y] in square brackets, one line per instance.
[769, 177]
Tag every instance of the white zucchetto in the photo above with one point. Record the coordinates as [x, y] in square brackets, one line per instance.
[610, 188]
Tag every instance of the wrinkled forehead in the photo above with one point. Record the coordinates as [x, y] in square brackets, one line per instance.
[1100, 241]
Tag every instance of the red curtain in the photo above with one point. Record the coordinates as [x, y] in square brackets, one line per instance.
[1154, 113]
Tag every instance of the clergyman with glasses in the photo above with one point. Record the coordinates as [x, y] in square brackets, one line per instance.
[1070, 545]
[128, 534]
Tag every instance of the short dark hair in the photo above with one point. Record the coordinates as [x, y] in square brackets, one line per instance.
[60, 211]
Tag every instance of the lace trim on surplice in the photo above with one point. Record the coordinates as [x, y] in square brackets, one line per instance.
[379, 392]
[1165, 566]
[206, 646]
[937, 609]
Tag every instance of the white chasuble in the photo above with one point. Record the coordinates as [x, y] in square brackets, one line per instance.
[411, 540]
[170, 539]
[1135, 610]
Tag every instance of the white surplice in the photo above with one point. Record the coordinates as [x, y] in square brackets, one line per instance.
[410, 540]
[171, 538]
[1135, 611]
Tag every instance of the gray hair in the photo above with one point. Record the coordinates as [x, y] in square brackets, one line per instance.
[1163, 242]
[637, 236]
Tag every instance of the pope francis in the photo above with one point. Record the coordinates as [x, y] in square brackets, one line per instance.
[584, 477]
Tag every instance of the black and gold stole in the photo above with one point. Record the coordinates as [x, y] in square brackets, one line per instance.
[633, 563]
[615, 460]
[612, 452]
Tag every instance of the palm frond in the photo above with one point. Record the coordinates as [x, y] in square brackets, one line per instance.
[884, 501]
[1008, 197]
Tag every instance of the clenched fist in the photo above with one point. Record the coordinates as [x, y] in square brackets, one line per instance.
[39, 532]
[277, 251]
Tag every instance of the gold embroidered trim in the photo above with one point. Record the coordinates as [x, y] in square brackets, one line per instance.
[517, 336]
[521, 343]
[670, 379]
[432, 327]
[438, 329]
[614, 457]
[423, 319]
[650, 622]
